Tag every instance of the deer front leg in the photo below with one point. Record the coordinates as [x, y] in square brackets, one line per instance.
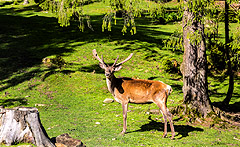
[124, 106]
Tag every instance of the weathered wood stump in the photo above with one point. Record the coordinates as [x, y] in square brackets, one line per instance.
[22, 124]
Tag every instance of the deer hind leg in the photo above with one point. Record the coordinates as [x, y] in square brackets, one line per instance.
[124, 106]
[169, 115]
[166, 115]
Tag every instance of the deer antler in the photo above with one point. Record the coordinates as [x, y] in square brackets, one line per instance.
[97, 57]
[128, 58]
[115, 61]
[114, 64]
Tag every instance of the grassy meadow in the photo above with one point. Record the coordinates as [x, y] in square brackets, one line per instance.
[70, 99]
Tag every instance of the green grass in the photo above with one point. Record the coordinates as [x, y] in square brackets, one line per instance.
[73, 96]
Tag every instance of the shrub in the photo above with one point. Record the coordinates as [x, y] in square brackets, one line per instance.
[216, 58]
[171, 65]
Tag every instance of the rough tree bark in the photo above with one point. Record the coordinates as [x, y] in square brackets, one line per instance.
[22, 124]
[194, 66]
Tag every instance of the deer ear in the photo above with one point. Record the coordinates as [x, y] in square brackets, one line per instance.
[117, 68]
[102, 65]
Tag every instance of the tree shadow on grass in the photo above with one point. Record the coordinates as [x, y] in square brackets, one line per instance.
[234, 107]
[52, 71]
[183, 130]
[231, 108]
[27, 38]
[12, 102]
[18, 78]
[94, 68]
[24, 42]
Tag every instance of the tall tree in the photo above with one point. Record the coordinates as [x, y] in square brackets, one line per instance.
[194, 66]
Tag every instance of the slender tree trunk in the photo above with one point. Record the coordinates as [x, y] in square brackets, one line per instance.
[194, 67]
[229, 63]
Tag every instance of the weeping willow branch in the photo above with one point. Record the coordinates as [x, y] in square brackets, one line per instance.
[67, 11]
[128, 9]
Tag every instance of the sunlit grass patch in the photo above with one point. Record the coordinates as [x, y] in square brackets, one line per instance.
[70, 98]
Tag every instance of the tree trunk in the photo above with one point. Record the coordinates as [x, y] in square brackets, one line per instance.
[230, 72]
[194, 66]
[22, 124]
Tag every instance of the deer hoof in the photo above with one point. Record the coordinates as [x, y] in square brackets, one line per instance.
[164, 135]
[122, 133]
[173, 135]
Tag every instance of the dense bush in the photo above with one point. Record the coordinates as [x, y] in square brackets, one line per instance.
[171, 65]
[216, 56]
[167, 16]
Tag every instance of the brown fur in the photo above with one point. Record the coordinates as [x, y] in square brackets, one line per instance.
[139, 91]
[128, 90]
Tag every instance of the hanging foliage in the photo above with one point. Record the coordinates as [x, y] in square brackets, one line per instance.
[235, 49]
[67, 10]
[129, 9]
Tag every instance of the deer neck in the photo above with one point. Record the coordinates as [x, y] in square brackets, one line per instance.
[111, 83]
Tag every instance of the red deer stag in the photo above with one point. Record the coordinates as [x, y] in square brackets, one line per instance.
[128, 90]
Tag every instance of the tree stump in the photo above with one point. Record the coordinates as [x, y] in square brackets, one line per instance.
[22, 124]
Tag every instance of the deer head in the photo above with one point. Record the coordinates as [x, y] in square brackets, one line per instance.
[109, 70]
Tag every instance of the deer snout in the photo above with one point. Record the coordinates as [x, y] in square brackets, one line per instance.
[107, 74]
